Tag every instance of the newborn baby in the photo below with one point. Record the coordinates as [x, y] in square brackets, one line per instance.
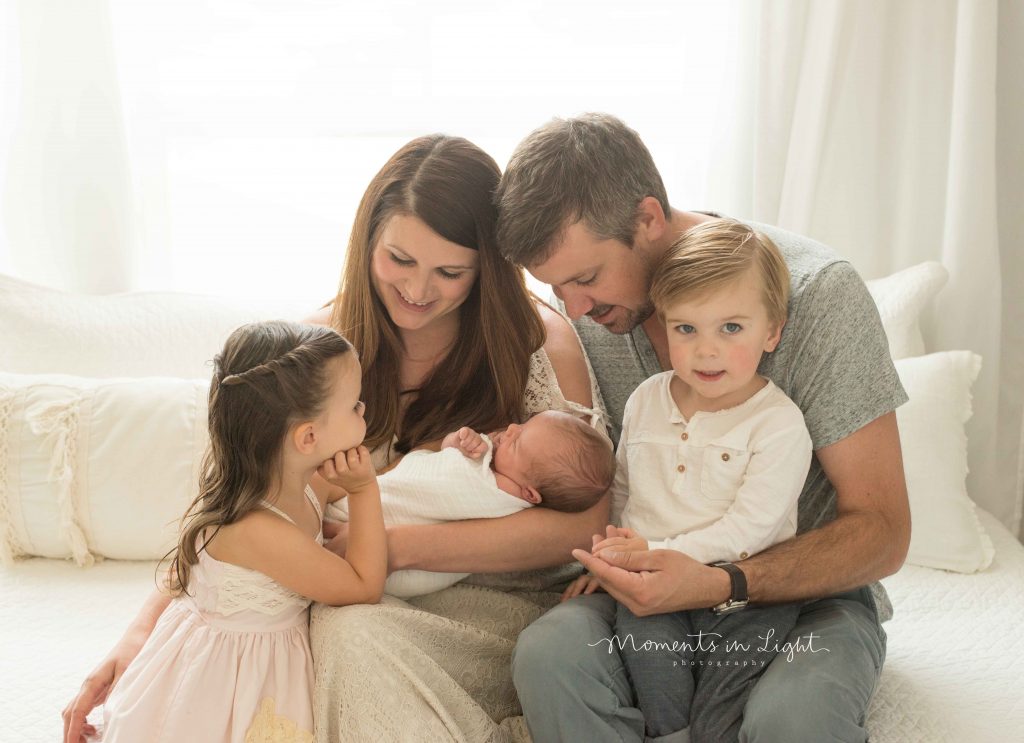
[554, 460]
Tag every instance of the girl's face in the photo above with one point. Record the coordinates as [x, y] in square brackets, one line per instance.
[716, 341]
[420, 276]
[341, 424]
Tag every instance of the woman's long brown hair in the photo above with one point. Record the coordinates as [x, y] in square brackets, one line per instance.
[269, 376]
[449, 184]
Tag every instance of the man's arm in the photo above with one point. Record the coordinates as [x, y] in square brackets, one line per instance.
[869, 537]
[867, 541]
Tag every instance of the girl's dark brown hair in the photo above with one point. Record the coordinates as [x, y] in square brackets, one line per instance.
[449, 184]
[269, 376]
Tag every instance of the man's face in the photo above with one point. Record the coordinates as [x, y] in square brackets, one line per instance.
[603, 279]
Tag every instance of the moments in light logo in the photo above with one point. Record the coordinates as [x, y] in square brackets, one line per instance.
[711, 642]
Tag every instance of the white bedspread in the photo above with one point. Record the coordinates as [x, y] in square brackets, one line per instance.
[953, 672]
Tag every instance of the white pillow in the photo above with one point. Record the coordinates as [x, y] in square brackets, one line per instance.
[92, 467]
[901, 298]
[946, 532]
[46, 331]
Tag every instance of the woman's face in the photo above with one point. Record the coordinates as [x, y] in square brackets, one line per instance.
[420, 276]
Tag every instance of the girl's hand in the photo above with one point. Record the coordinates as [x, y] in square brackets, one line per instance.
[351, 470]
[584, 585]
[466, 440]
[96, 687]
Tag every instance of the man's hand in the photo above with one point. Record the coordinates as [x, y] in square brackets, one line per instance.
[466, 440]
[351, 470]
[656, 582]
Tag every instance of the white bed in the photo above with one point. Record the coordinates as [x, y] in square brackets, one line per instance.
[74, 451]
[953, 671]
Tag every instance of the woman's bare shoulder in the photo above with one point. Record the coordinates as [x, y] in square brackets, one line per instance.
[321, 317]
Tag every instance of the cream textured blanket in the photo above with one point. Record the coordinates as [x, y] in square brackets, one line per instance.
[430, 487]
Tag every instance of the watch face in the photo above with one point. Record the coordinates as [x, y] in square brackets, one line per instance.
[729, 607]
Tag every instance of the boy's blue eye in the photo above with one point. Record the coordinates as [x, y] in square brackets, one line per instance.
[731, 328]
[685, 329]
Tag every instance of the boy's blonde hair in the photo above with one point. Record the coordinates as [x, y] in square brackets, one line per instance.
[714, 253]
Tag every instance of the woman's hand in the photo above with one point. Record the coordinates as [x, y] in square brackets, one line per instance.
[351, 470]
[336, 536]
[96, 688]
[583, 586]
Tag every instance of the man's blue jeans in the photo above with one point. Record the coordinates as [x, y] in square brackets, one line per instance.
[573, 686]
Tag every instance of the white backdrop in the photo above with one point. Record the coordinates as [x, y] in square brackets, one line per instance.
[872, 126]
[223, 147]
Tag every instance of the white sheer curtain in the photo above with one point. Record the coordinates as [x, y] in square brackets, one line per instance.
[223, 147]
[872, 126]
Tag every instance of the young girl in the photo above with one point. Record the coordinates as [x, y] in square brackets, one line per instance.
[229, 659]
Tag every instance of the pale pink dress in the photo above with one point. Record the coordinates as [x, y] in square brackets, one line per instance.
[229, 663]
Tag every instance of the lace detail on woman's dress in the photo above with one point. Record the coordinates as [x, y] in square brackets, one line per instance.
[543, 393]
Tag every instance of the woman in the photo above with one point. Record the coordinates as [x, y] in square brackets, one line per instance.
[448, 336]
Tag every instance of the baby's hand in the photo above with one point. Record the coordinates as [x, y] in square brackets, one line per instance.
[584, 585]
[620, 539]
[351, 470]
[466, 440]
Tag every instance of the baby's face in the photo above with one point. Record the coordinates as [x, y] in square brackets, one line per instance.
[520, 446]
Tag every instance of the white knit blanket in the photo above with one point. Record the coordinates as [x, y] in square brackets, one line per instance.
[430, 487]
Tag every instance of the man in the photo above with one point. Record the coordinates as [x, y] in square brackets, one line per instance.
[584, 209]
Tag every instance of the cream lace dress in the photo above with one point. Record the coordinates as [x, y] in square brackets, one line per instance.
[229, 664]
[436, 667]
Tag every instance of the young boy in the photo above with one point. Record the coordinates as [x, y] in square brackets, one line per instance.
[711, 462]
[554, 460]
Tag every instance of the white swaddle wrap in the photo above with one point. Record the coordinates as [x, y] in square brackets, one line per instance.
[431, 487]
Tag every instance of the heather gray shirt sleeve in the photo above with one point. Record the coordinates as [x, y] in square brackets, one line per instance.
[834, 359]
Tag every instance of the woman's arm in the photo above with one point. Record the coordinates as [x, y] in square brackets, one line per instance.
[533, 538]
[566, 357]
[97, 685]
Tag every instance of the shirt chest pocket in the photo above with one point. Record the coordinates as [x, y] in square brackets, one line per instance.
[722, 471]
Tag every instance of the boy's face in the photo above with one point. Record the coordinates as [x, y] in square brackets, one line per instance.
[716, 341]
[603, 279]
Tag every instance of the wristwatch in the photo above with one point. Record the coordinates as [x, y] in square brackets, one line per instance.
[738, 599]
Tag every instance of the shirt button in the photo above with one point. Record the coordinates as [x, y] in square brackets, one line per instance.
[685, 436]
[681, 468]
[725, 456]
[744, 555]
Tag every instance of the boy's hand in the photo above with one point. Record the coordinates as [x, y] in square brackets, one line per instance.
[466, 440]
[351, 470]
[620, 540]
[582, 586]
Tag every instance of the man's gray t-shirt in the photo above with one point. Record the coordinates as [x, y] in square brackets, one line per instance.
[833, 361]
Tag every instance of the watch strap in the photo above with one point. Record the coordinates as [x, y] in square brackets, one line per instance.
[738, 580]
